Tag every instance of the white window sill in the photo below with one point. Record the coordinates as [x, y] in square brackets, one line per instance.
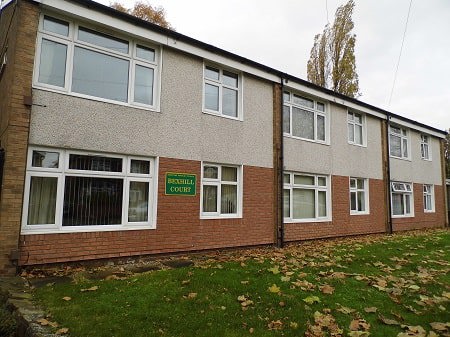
[96, 99]
[427, 159]
[287, 135]
[83, 229]
[400, 158]
[212, 217]
[429, 211]
[359, 213]
[287, 220]
[218, 114]
[402, 216]
[358, 145]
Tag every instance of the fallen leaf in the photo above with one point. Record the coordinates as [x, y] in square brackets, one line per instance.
[274, 289]
[42, 321]
[311, 299]
[275, 325]
[371, 309]
[62, 331]
[359, 334]
[285, 278]
[388, 321]
[345, 310]
[275, 270]
[191, 296]
[293, 325]
[440, 326]
[359, 325]
[67, 298]
[327, 289]
[94, 288]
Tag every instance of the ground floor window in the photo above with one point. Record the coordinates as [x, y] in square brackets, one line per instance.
[221, 190]
[402, 199]
[359, 196]
[305, 197]
[428, 198]
[75, 190]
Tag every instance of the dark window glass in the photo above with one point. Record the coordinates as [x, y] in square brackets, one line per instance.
[95, 163]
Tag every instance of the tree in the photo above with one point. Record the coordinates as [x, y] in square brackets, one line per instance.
[145, 11]
[332, 61]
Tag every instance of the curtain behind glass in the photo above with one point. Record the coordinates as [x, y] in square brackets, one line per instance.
[303, 204]
[228, 199]
[42, 202]
[138, 202]
[209, 198]
[397, 204]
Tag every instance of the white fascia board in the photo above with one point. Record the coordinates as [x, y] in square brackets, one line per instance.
[401, 122]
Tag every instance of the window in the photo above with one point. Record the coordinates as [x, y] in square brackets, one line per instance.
[304, 118]
[402, 201]
[305, 197]
[398, 142]
[428, 198]
[221, 92]
[221, 191]
[425, 150]
[359, 196]
[76, 191]
[355, 124]
[87, 63]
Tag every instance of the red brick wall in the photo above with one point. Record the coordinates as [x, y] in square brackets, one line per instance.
[342, 222]
[421, 219]
[179, 227]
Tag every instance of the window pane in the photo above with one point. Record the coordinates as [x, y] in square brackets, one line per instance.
[209, 198]
[395, 130]
[95, 163]
[145, 53]
[303, 101]
[353, 201]
[45, 159]
[103, 40]
[303, 180]
[358, 118]
[352, 183]
[322, 181]
[303, 204]
[140, 166]
[100, 75]
[351, 132]
[211, 97]
[407, 204]
[361, 202]
[228, 199]
[229, 173]
[143, 85]
[350, 116]
[358, 134]
[286, 119]
[230, 79]
[212, 73]
[91, 201]
[302, 123]
[210, 172]
[56, 26]
[395, 146]
[286, 178]
[286, 204]
[138, 201]
[52, 67]
[229, 102]
[320, 127]
[320, 106]
[397, 204]
[42, 201]
[286, 96]
[405, 148]
[322, 195]
[360, 184]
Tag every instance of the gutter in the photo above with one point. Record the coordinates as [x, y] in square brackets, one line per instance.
[280, 168]
[388, 174]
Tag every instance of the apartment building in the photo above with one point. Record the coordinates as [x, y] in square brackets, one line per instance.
[122, 138]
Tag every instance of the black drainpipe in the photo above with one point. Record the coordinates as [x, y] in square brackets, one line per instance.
[388, 173]
[280, 200]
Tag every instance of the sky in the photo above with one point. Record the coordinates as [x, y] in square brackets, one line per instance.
[280, 34]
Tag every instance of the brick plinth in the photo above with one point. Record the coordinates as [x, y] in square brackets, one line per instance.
[343, 223]
[179, 227]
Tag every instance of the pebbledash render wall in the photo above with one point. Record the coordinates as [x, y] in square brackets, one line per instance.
[179, 137]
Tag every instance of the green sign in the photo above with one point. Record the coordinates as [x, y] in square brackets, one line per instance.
[180, 183]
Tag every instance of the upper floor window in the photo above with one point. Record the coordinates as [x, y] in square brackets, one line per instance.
[221, 92]
[402, 199]
[305, 197]
[75, 59]
[398, 142]
[359, 196]
[355, 125]
[304, 118]
[76, 191]
[428, 198]
[221, 190]
[425, 150]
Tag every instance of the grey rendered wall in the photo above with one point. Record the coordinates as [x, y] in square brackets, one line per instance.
[180, 130]
[418, 170]
[340, 157]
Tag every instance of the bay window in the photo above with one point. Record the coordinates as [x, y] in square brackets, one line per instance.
[221, 191]
[305, 197]
[74, 191]
[402, 199]
[304, 118]
[75, 59]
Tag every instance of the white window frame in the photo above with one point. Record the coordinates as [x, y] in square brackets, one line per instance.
[291, 186]
[71, 41]
[219, 83]
[352, 123]
[218, 182]
[63, 171]
[404, 136]
[425, 147]
[290, 104]
[428, 198]
[356, 190]
[403, 189]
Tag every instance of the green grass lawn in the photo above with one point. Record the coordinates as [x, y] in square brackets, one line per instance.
[379, 285]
